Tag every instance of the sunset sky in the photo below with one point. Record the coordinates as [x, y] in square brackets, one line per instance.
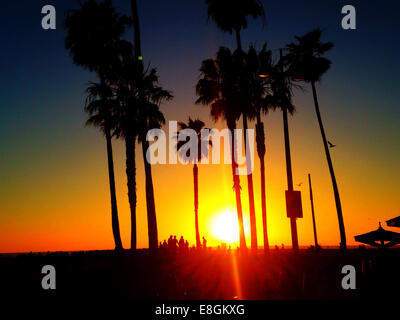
[54, 192]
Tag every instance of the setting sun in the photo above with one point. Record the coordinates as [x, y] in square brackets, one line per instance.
[224, 226]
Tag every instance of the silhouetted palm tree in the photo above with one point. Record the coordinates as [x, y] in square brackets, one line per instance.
[150, 117]
[202, 152]
[231, 16]
[258, 96]
[218, 88]
[140, 96]
[148, 96]
[127, 122]
[306, 60]
[92, 33]
[100, 105]
[282, 84]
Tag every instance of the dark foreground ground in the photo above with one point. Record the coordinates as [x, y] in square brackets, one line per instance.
[203, 275]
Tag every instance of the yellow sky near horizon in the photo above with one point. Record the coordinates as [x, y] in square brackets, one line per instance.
[75, 214]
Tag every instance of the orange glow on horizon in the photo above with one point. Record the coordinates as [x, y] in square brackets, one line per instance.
[66, 203]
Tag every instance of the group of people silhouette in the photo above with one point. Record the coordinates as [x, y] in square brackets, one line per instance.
[183, 245]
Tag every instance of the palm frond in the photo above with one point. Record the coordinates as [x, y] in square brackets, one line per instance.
[230, 15]
[305, 56]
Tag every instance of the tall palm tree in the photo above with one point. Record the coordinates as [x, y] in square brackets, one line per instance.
[150, 117]
[202, 152]
[149, 96]
[127, 123]
[218, 87]
[258, 96]
[145, 96]
[100, 105]
[306, 60]
[282, 88]
[231, 16]
[141, 97]
[93, 30]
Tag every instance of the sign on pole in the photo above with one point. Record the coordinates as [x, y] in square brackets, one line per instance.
[293, 204]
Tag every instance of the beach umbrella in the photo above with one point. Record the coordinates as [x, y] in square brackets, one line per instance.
[395, 222]
[380, 238]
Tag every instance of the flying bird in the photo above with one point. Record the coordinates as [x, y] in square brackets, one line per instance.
[299, 185]
[331, 145]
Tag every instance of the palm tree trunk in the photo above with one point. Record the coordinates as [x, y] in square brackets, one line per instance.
[253, 226]
[130, 142]
[237, 188]
[196, 203]
[293, 226]
[328, 158]
[150, 202]
[136, 27]
[114, 208]
[260, 138]
[289, 175]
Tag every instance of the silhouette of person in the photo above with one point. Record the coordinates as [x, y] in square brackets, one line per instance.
[174, 243]
[204, 243]
[165, 245]
[181, 243]
[170, 242]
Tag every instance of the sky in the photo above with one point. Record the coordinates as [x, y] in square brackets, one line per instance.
[54, 191]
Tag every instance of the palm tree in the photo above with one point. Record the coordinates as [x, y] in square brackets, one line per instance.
[266, 85]
[282, 89]
[150, 117]
[306, 60]
[159, 119]
[218, 89]
[92, 33]
[127, 123]
[100, 105]
[148, 98]
[259, 99]
[202, 152]
[141, 96]
[145, 97]
[231, 16]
